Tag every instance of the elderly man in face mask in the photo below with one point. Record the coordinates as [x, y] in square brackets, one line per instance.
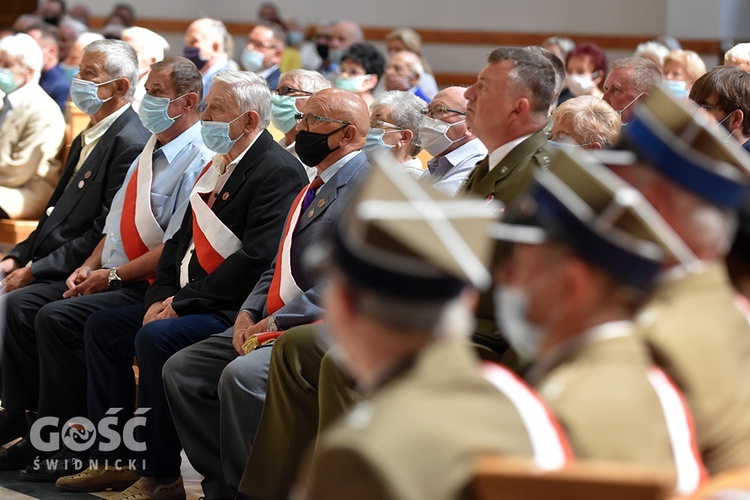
[453, 146]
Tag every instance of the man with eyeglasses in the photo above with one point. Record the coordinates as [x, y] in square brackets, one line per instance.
[453, 146]
[629, 80]
[226, 241]
[289, 98]
[216, 388]
[265, 46]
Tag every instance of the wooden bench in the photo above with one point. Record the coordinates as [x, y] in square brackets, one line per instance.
[503, 477]
[13, 232]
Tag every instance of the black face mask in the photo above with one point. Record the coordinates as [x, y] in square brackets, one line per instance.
[312, 147]
[193, 54]
[54, 21]
[322, 50]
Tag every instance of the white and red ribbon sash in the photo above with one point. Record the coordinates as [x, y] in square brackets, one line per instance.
[549, 443]
[688, 463]
[213, 241]
[140, 230]
[283, 288]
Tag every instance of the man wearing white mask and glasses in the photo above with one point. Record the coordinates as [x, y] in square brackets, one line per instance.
[444, 134]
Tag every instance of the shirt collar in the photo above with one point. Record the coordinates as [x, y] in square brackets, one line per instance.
[497, 155]
[219, 162]
[95, 132]
[266, 72]
[473, 147]
[20, 94]
[173, 147]
[328, 173]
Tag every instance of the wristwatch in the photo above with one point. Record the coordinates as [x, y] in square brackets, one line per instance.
[115, 281]
[272, 326]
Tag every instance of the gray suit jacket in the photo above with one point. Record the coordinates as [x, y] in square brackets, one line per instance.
[326, 209]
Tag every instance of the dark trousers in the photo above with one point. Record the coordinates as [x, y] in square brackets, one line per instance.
[113, 337]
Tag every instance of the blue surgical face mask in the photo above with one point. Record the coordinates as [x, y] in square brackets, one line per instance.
[153, 113]
[216, 135]
[678, 87]
[374, 141]
[252, 60]
[294, 37]
[7, 80]
[283, 109]
[85, 95]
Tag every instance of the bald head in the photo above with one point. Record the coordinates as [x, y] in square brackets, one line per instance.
[452, 97]
[344, 34]
[341, 105]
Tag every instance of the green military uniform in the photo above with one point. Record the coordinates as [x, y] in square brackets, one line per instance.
[419, 435]
[702, 341]
[599, 390]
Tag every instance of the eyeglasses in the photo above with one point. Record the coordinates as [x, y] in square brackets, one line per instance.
[438, 110]
[311, 119]
[386, 125]
[260, 45]
[286, 90]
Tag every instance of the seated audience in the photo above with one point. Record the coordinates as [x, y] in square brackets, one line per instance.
[586, 121]
[32, 129]
[360, 71]
[205, 45]
[394, 126]
[72, 62]
[341, 36]
[53, 79]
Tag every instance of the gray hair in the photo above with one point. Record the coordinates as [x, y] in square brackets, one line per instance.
[592, 119]
[557, 64]
[250, 92]
[151, 45]
[405, 112]
[645, 73]
[183, 75]
[531, 72]
[565, 44]
[277, 32]
[23, 46]
[309, 81]
[120, 60]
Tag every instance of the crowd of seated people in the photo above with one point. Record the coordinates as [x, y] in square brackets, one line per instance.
[338, 279]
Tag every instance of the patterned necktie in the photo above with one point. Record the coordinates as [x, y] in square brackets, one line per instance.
[310, 194]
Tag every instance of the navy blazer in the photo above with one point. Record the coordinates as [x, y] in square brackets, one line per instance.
[253, 205]
[311, 228]
[69, 232]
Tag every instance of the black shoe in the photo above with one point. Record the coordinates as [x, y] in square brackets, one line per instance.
[20, 455]
[13, 425]
[63, 463]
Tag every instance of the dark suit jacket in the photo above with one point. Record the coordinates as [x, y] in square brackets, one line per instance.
[273, 79]
[312, 227]
[253, 205]
[69, 234]
[56, 84]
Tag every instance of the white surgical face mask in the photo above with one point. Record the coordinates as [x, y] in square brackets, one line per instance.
[511, 306]
[433, 134]
[581, 84]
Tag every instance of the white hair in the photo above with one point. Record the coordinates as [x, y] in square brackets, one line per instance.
[23, 46]
[655, 49]
[740, 53]
[87, 38]
[120, 60]
[309, 81]
[148, 44]
[250, 92]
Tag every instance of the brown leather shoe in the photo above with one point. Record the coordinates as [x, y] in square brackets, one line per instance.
[98, 479]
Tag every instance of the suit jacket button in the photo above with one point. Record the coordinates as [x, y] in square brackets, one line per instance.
[81, 184]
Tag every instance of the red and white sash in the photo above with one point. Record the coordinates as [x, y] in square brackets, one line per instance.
[688, 463]
[213, 241]
[140, 230]
[283, 288]
[548, 441]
